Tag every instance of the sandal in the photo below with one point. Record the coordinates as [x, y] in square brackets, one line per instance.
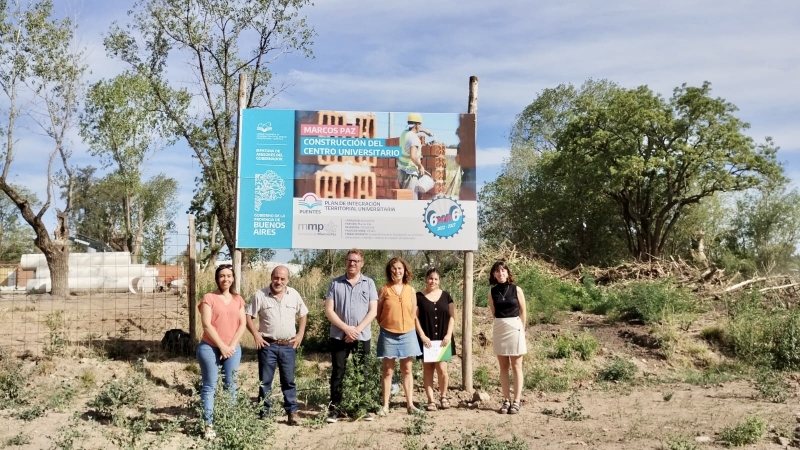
[445, 401]
[514, 409]
[431, 407]
[506, 406]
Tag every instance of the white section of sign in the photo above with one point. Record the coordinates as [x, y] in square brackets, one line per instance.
[379, 224]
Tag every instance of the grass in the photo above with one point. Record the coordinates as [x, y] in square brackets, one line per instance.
[617, 370]
[744, 433]
[568, 345]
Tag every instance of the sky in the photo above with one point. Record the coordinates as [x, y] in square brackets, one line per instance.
[418, 56]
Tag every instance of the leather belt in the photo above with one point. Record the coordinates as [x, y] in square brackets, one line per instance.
[271, 341]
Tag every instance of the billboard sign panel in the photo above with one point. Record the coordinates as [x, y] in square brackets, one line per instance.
[343, 179]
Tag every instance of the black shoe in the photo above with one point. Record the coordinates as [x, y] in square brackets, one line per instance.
[333, 417]
[263, 415]
[292, 419]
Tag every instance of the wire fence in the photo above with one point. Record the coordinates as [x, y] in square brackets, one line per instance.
[114, 304]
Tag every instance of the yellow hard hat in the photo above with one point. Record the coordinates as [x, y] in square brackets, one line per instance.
[415, 117]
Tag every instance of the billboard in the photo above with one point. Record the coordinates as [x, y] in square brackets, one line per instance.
[344, 179]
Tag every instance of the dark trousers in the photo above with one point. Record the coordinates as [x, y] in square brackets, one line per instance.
[340, 350]
[282, 356]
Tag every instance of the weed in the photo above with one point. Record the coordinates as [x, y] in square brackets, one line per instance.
[117, 393]
[236, 420]
[19, 439]
[130, 433]
[87, 378]
[667, 396]
[679, 443]
[546, 380]
[60, 397]
[566, 344]
[318, 420]
[57, 342]
[573, 412]
[12, 383]
[618, 370]
[651, 302]
[361, 388]
[30, 413]
[418, 424]
[67, 436]
[481, 377]
[744, 433]
[192, 367]
[483, 441]
[772, 386]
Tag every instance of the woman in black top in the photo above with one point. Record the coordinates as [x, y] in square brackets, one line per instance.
[435, 321]
[507, 302]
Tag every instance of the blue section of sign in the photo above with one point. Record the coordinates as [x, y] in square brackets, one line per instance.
[266, 173]
[443, 217]
[363, 147]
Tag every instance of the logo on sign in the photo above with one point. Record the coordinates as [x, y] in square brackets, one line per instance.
[443, 217]
[321, 229]
[264, 127]
[310, 201]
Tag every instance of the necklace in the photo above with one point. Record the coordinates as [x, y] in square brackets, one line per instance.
[505, 292]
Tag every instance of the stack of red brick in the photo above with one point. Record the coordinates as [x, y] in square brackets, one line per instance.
[435, 162]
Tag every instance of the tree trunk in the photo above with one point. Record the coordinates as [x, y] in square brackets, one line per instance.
[58, 258]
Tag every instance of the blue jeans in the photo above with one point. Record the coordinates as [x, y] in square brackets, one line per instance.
[209, 358]
[282, 356]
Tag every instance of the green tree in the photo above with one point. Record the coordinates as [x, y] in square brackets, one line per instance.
[539, 212]
[219, 40]
[765, 228]
[16, 237]
[41, 76]
[636, 154]
[124, 126]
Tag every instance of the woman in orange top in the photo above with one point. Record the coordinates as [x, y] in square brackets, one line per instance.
[222, 314]
[397, 312]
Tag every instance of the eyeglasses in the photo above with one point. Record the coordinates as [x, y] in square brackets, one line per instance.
[225, 266]
[353, 261]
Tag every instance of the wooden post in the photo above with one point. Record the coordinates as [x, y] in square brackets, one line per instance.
[469, 261]
[237, 252]
[191, 288]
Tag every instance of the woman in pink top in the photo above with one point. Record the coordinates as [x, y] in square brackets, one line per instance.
[222, 314]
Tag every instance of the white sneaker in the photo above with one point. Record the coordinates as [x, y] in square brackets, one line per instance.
[209, 433]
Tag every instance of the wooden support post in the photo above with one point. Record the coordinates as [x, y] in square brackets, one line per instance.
[469, 261]
[237, 252]
[191, 285]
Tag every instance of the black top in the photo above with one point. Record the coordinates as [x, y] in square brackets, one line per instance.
[434, 317]
[506, 303]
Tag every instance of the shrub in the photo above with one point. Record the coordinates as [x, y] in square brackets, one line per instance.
[118, 393]
[745, 433]
[482, 440]
[482, 377]
[772, 386]
[547, 379]
[12, 382]
[651, 301]
[618, 369]
[235, 418]
[318, 329]
[583, 345]
[361, 388]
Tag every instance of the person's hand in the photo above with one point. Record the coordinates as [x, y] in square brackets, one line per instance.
[260, 341]
[296, 340]
[226, 351]
[445, 341]
[426, 132]
[426, 341]
[352, 333]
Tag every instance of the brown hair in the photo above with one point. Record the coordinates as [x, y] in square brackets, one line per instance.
[499, 265]
[355, 251]
[220, 268]
[406, 270]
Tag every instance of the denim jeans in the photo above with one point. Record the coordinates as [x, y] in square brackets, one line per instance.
[340, 350]
[282, 356]
[209, 358]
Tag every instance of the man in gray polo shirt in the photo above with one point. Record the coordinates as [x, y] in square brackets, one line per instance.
[276, 307]
[351, 304]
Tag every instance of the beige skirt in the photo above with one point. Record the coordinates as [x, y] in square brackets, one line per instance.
[508, 337]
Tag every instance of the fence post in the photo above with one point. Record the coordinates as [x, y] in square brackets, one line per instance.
[469, 301]
[191, 288]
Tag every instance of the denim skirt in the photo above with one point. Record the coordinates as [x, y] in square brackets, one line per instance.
[394, 345]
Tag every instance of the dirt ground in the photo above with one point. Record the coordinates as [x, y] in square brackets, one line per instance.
[660, 405]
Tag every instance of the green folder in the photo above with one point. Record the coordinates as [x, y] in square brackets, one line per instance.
[437, 353]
